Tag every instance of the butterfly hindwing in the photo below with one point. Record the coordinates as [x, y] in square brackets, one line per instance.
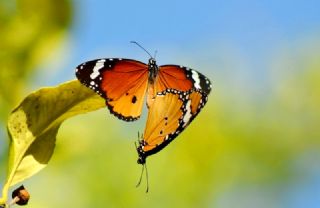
[122, 82]
[163, 119]
[171, 112]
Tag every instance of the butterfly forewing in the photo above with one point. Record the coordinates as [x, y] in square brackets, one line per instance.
[122, 82]
[182, 79]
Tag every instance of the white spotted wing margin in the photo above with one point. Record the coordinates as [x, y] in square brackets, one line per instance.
[157, 135]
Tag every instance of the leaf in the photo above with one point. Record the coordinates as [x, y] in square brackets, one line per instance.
[33, 126]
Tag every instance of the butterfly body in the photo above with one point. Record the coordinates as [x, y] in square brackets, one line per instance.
[153, 71]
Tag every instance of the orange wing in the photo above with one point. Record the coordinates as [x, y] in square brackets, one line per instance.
[163, 119]
[122, 82]
[177, 78]
[181, 78]
[171, 112]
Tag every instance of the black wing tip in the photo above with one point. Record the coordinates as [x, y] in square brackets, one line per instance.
[205, 83]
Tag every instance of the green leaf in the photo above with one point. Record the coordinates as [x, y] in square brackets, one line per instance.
[33, 126]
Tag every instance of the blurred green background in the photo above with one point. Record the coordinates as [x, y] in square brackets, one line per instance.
[255, 144]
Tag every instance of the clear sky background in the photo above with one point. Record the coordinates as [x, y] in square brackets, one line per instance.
[194, 33]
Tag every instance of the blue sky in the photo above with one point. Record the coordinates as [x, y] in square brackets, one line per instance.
[237, 37]
[246, 23]
[255, 27]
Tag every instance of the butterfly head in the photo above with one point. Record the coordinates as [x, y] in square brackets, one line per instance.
[141, 160]
[142, 157]
[152, 62]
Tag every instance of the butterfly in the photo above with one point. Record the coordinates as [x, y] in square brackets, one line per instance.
[171, 112]
[124, 83]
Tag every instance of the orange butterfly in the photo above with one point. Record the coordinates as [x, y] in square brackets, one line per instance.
[123, 83]
[172, 111]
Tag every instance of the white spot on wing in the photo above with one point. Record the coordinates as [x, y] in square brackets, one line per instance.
[187, 116]
[195, 77]
[95, 72]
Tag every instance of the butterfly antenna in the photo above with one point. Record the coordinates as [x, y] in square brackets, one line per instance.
[141, 47]
[147, 177]
[135, 144]
[138, 184]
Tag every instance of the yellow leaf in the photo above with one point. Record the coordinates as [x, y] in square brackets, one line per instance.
[33, 126]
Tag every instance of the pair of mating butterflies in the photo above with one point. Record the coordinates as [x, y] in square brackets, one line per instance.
[175, 95]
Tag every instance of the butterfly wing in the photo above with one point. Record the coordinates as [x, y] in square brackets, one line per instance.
[171, 112]
[163, 119]
[181, 78]
[122, 82]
